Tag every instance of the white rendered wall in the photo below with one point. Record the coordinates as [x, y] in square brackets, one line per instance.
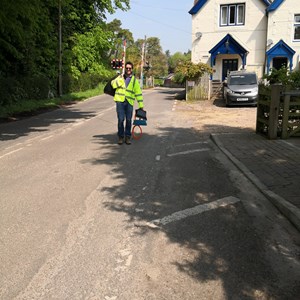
[252, 36]
[281, 26]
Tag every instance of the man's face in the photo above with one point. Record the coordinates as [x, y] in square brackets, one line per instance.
[128, 69]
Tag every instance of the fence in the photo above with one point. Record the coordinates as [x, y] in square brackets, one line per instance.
[198, 89]
[278, 112]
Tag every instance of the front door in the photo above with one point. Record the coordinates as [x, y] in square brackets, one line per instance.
[229, 65]
[279, 62]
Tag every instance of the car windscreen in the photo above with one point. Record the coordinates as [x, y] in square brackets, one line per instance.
[244, 79]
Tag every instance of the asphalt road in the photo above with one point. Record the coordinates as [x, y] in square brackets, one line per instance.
[168, 217]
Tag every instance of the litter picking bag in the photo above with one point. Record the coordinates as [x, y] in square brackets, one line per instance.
[108, 89]
[140, 113]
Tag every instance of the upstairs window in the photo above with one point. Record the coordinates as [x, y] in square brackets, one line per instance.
[297, 27]
[232, 14]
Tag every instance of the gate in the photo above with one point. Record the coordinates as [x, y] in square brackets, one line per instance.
[278, 112]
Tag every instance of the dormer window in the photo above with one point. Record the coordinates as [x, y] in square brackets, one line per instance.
[232, 14]
[297, 27]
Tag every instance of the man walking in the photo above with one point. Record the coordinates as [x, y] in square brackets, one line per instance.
[127, 91]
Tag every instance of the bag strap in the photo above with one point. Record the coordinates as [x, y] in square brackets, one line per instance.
[133, 82]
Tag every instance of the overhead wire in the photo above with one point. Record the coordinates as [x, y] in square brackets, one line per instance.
[168, 25]
[158, 22]
[156, 7]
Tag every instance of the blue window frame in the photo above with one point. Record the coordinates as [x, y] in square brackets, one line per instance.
[232, 14]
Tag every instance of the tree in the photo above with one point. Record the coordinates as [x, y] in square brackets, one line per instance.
[86, 18]
[29, 41]
[176, 59]
[155, 58]
[117, 37]
[87, 52]
[24, 25]
[190, 71]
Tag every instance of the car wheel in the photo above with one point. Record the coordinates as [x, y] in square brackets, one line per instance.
[226, 102]
[224, 99]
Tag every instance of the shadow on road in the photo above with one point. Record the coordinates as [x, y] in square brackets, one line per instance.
[171, 94]
[216, 253]
[41, 123]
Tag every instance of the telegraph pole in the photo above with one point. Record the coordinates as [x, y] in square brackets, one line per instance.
[59, 51]
[124, 57]
[142, 64]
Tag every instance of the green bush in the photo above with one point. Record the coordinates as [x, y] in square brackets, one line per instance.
[16, 91]
[158, 82]
[12, 91]
[285, 77]
[295, 79]
[36, 87]
[85, 81]
[190, 71]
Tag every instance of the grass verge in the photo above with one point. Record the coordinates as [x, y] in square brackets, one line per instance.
[31, 107]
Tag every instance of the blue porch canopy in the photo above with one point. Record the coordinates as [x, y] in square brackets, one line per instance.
[281, 49]
[228, 45]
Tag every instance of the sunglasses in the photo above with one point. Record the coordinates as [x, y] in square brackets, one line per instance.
[128, 68]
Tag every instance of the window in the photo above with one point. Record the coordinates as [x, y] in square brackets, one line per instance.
[233, 14]
[240, 20]
[297, 27]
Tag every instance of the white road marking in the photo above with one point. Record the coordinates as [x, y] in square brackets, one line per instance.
[125, 252]
[128, 261]
[13, 146]
[290, 144]
[78, 123]
[11, 152]
[54, 132]
[174, 105]
[188, 152]
[47, 137]
[194, 211]
[188, 144]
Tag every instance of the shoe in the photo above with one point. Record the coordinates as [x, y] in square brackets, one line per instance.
[127, 140]
[120, 141]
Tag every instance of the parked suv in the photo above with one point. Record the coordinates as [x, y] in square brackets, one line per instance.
[241, 88]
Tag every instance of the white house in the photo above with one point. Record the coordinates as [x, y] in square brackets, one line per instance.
[256, 35]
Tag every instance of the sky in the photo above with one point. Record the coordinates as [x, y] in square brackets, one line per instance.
[167, 20]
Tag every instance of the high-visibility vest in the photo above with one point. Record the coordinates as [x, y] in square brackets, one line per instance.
[131, 93]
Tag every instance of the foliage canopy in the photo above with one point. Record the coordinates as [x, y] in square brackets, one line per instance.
[190, 71]
[29, 40]
[285, 77]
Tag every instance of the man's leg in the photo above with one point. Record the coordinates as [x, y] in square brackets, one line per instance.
[121, 117]
[128, 113]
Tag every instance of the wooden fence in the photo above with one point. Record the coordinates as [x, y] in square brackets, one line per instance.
[278, 112]
[198, 89]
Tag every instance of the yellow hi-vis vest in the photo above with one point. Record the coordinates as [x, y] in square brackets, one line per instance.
[131, 93]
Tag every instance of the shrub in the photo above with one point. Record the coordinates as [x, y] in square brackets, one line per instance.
[285, 77]
[84, 82]
[36, 87]
[191, 71]
[12, 91]
[295, 79]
